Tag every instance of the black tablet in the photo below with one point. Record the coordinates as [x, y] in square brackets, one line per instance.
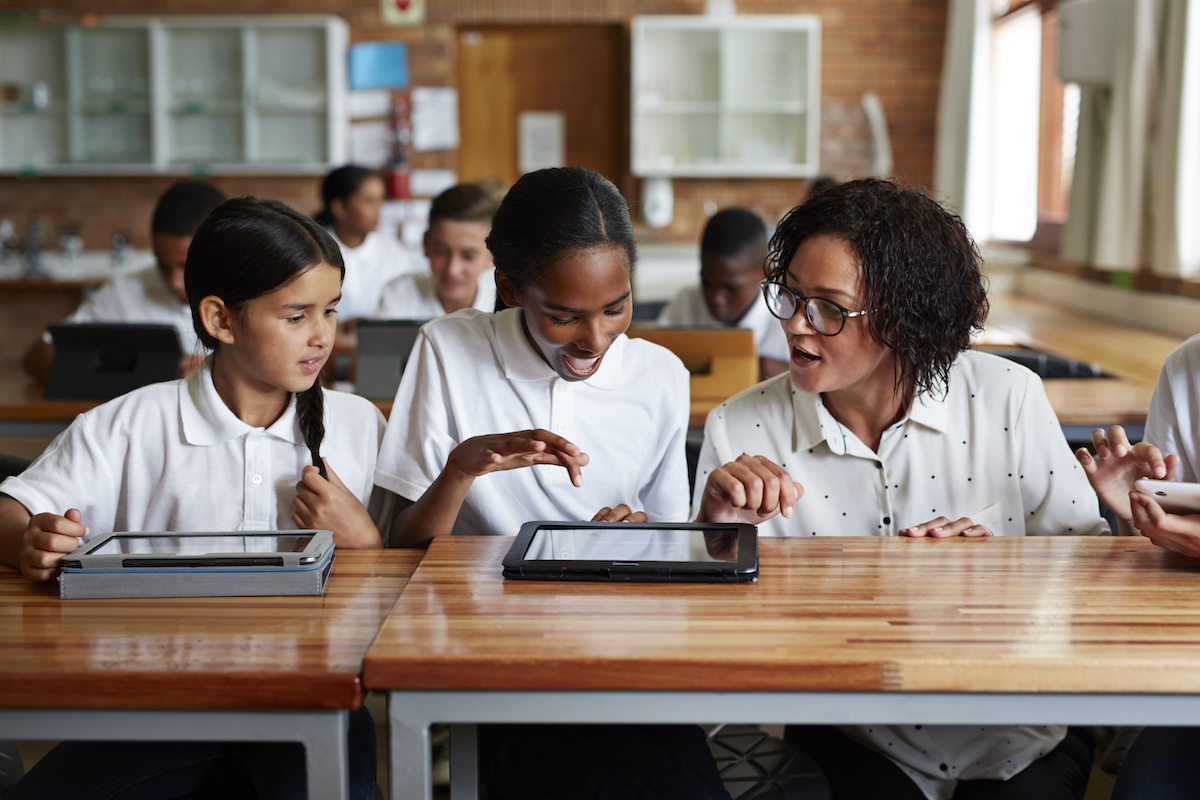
[98, 361]
[637, 551]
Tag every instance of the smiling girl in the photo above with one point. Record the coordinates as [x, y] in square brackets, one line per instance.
[250, 441]
[552, 380]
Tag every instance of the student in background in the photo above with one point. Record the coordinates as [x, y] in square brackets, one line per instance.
[460, 265]
[732, 251]
[546, 410]
[263, 283]
[896, 428]
[352, 198]
[151, 294]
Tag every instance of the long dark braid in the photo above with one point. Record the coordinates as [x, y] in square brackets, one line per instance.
[310, 416]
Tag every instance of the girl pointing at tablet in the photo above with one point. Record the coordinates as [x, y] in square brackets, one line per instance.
[894, 427]
[550, 383]
[236, 446]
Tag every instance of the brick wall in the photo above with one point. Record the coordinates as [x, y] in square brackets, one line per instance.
[891, 47]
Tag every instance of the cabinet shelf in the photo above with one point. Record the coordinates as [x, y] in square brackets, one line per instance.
[727, 97]
[146, 95]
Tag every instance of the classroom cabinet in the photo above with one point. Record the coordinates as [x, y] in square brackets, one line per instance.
[731, 96]
[178, 94]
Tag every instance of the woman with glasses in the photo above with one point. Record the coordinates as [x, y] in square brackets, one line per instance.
[887, 424]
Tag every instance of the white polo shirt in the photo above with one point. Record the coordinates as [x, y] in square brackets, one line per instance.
[991, 449]
[414, 297]
[172, 457]
[688, 309]
[1175, 409]
[370, 266]
[473, 374]
[141, 297]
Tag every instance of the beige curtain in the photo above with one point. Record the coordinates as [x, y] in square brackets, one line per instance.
[1134, 197]
[960, 154]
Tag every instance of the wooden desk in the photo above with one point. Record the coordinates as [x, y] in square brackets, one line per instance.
[1040, 630]
[222, 668]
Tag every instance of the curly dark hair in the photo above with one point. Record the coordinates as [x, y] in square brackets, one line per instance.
[920, 272]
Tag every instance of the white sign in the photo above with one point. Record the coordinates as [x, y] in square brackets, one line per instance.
[434, 118]
[542, 137]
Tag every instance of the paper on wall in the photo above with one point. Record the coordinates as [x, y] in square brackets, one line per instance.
[542, 139]
[434, 118]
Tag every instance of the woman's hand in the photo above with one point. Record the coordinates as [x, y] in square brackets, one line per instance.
[943, 528]
[1176, 532]
[1117, 464]
[48, 538]
[322, 504]
[483, 454]
[751, 489]
[621, 513]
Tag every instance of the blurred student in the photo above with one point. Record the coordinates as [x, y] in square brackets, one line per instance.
[460, 265]
[153, 294]
[732, 252]
[352, 198]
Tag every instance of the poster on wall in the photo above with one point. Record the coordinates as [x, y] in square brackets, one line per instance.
[402, 12]
[542, 139]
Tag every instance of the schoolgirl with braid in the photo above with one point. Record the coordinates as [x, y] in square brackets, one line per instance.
[250, 441]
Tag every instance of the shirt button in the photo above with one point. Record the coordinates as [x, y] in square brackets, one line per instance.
[878, 465]
[560, 429]
[943, 767]
[564, 554]
[256, 480]
[887, 520]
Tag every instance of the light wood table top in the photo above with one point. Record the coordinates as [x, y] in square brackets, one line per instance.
[211, 653]
[21, 400]
[1134, 354]
[1038, 614]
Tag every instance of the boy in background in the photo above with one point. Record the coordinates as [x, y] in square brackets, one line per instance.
[460, 266]
[732, 251]
[153, 294]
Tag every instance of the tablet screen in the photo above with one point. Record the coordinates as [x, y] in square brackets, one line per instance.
[202, 545]
[633, 544]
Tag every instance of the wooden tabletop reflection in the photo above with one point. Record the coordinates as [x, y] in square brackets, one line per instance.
[219, 652]
[1038, 614]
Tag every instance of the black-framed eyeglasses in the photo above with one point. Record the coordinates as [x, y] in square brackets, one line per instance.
[824, 316]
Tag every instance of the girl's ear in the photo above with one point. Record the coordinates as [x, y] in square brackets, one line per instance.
[217, 319]
[337, 207]
[506, 290]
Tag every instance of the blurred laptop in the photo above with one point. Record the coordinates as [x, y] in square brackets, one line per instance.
[384, 346]
[98, 361]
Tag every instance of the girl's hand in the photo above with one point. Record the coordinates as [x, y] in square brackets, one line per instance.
[1117, 464]
[621, 513]
[943, 528]
[1177, 532]
[48, 538]
[483, 454]
[328, 505]
[751, 489]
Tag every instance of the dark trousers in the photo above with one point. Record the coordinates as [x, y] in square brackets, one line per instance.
[193, 770]
[598, 762]
[856, 771]
[1159, 766]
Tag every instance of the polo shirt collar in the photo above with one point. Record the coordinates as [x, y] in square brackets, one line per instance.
[814, 424]
[206, 420]
[522, 362]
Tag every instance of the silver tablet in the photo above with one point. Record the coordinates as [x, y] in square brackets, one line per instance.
[205, 564]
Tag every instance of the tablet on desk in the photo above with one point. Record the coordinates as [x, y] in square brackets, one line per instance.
[384, 346]
[98, 361]
[219, 564]
[625, 551]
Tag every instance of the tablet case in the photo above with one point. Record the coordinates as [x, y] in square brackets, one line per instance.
[384, 346]
[99, 361]
[292, 577]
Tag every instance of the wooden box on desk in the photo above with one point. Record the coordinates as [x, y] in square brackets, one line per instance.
[723, 361]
